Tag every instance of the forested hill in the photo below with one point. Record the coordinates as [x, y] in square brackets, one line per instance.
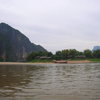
[15, 46]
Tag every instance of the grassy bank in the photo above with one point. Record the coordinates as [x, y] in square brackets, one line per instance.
[91, 59]
[41, 61]
[94, 60]
[51, 60]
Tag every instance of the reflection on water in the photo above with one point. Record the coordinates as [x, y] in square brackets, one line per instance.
[31, 82]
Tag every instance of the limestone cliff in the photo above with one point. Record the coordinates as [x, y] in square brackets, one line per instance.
[15, 46]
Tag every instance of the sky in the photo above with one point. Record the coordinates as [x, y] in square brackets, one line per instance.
[55, 24]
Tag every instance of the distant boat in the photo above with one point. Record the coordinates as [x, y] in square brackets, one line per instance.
[60, 61]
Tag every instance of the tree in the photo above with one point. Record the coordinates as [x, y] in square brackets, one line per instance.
[58, 55]
[96, 53]
[88, 53]
[32, 56]
[73, 53]
[36, 55]
[1, 59]
[49, 54]
[65, 54]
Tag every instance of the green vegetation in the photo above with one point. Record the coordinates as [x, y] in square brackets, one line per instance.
[1, 59]
[96, 53]
[94, 60]
[88, 53]
[41, 61]
[36, 56]
[67, 54]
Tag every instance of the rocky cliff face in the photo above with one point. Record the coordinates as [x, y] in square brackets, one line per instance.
[14, 46]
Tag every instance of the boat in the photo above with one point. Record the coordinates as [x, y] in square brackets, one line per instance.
[60, 61]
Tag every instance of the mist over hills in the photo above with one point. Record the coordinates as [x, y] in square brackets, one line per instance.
[15, 46]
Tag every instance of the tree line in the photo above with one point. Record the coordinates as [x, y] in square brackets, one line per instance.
[66, 54]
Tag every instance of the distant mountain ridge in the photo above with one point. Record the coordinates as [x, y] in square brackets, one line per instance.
[15, 46]
[96, 48]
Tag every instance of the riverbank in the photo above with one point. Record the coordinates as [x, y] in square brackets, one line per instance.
[22, 63]
[51, 62]
[78, 61]
[66, 61]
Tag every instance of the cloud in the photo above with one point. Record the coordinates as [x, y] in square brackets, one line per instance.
[55, 24]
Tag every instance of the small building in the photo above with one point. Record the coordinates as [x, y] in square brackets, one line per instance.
[80, 57]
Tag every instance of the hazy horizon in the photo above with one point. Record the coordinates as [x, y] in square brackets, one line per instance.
[55, 24]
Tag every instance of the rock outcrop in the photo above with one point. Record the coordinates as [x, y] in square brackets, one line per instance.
[15, 46]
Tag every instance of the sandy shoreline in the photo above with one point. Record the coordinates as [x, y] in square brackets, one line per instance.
[79, 61]
[30, 63]
[20, 63]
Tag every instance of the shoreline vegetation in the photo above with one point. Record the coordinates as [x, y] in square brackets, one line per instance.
[73, 61]
[65, 56]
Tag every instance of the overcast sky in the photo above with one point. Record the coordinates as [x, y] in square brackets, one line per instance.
[55, 24]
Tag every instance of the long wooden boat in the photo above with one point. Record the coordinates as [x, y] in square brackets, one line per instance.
[60, 61]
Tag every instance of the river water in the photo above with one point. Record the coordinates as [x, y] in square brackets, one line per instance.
[50, 82]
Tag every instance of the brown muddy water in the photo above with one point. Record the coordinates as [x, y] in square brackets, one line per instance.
[50, 82]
